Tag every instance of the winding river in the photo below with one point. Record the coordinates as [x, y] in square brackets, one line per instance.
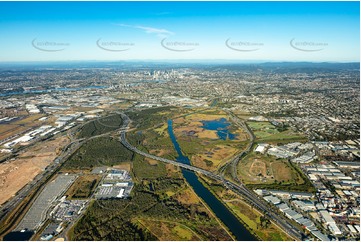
[221, 211]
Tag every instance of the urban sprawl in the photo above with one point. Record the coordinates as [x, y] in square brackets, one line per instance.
[323, 104]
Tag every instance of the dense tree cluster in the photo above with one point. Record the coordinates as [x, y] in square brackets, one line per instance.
[102, 151]
[117, 219]
[101, 126]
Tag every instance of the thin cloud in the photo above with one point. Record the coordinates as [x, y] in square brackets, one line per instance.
[150, 30]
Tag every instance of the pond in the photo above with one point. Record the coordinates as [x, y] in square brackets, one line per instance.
[221, 126]
[220, 210]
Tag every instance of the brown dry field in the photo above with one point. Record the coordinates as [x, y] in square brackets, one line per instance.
[205, 116]
[258, 167]
[242, 114]
[167, 230]
[151, 161]
[219, 157]
[173, 171]
[246, 173]
[17, 173]
[278, 170]
[82, 109]
[29, 119]
[182, 125]
[124, 166]
[13, 128]
[207, 134]
[187, 197]
[281, 171]
[8, 130]
[241, 135]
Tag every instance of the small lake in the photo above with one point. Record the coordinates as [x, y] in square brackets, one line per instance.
[221, 126]
[221, 211]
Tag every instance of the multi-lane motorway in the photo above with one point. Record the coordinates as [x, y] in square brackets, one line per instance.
[37, 183]
[240, 189]
[235, 160]
[41, 179]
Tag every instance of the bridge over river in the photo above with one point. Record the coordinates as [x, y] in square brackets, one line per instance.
[240, 189]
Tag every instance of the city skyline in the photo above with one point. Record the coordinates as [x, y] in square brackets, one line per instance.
[229, 31]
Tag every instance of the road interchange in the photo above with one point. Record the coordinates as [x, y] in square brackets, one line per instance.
[240, 189]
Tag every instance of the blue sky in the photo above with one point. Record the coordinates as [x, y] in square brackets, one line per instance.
[245, 31]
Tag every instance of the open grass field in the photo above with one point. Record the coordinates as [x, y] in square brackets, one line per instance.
[162, 130]
[242, 114]
[124, 166]
[259, 169]
[151, 162]
[83, 187]
[265, 131]
[281, 172]
[214, 157]
[187, 196]
[168, 230]
[264, 171]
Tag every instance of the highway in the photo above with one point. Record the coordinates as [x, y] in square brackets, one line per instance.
[234, 162]
[11, 204]
[240, 189]
[67, 151]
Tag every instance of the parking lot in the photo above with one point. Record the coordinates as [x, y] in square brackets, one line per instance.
[36, 215]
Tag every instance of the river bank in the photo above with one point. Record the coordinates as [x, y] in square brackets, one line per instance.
[218, 208]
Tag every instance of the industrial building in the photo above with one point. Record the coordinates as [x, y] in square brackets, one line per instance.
[116, 184]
